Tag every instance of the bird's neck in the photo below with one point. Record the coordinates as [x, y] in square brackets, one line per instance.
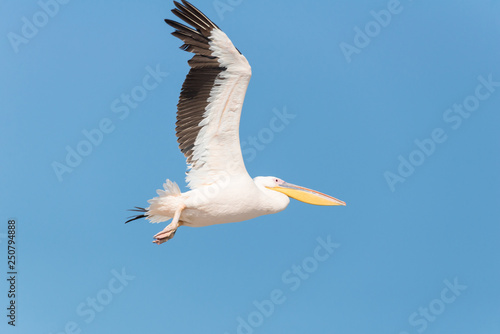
[273, 201]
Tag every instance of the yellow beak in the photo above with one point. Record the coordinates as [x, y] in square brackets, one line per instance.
[306, 195]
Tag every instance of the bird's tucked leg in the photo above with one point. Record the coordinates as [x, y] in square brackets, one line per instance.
[169, 231]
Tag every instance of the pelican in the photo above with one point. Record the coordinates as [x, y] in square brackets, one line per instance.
[207, 130]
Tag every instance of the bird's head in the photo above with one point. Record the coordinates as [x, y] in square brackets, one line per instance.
[297, 192]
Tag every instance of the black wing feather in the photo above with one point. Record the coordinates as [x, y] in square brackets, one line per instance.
[205, 69]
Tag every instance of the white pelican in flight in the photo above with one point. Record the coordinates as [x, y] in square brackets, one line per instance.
[208, 116]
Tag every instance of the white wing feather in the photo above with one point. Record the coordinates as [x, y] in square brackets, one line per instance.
[217, 147]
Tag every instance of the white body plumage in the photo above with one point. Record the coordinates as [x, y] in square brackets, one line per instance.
[219, 203]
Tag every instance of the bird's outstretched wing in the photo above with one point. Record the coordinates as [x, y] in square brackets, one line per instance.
[209, 108]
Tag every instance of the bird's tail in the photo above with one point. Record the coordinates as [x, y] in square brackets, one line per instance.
[155, 205]
[158, 204]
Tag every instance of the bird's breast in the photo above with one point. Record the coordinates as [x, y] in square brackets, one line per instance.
[228, 205]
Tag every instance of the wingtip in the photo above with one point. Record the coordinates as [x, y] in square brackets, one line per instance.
[178, 5]
[170, 22]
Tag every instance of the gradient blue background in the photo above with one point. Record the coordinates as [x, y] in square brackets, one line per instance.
[352, 122]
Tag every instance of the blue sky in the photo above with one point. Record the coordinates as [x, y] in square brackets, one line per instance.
[390, 106]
